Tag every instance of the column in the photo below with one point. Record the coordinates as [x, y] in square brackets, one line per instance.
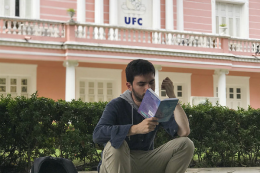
[22, 8]
[222, 86]
[36, 9]
[81, 11]
[113, 20]
[157, 82]
[2, 7]
[169, 24]
[213, 16]
[12, 8]
[99, 18]
[156, 18]
[245, 20]
[99, 11]
[180, 18]
[70, 89]
[81, 15]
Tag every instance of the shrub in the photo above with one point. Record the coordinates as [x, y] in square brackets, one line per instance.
[37, 126]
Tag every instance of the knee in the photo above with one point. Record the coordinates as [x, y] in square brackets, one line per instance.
[187, 144]
[122, 150]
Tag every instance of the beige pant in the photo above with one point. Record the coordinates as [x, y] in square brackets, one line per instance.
[172, 157]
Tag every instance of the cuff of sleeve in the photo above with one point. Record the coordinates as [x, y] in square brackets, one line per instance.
[171, 126]
[118, 135]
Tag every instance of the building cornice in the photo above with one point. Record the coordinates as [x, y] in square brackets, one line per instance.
[125, 49]
[31, 43]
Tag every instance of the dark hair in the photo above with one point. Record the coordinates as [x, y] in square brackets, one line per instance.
[138, 67]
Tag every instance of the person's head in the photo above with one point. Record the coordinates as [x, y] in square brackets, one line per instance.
[140, 76]
[138, 67]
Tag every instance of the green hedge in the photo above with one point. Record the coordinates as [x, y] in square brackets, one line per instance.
[38, 126]
[222, 137]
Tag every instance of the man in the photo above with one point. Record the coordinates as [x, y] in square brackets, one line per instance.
[129, 138]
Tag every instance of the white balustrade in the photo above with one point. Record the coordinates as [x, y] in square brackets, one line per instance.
[113, 33]
[126, 34]
[243, 45]
[32, 27]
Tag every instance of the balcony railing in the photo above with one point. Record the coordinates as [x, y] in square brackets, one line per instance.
[164, 37]
[243, 45]
[89, 32]
[19, 26]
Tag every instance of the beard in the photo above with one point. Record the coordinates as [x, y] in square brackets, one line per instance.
[137, 96]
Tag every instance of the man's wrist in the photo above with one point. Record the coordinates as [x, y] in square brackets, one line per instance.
[132, 130]
[172, 96]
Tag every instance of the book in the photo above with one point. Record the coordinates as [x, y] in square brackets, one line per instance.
[153, 106]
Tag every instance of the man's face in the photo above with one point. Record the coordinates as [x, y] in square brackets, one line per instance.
[140, 84]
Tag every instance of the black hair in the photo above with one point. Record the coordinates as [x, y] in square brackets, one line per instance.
[138, 67]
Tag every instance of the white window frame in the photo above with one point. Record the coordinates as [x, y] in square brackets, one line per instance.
[178, 79]
[230, 101]
[234, 29]
[175, 85]
[99, 75]
[34, 11]
[105, 96]
[19, 71]
[18, 86]
[244, 22]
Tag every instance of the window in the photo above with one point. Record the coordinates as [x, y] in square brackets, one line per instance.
[18, 8]
[181, 85]
[234, 93]
[98, 84]
[95, 91]
[2, 85]
[229, 14]
[234, 98]
[177, 90]
[16, 86]
[237, 91]
[17, 79]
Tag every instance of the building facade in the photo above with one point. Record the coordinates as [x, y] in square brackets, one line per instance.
[42, 50]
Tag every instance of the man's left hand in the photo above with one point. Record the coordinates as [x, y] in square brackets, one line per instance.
[168, 86]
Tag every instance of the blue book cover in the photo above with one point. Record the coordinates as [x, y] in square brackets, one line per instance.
[152, 106]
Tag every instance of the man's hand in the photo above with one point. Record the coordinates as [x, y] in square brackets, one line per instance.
[146, 126]
[168, 86]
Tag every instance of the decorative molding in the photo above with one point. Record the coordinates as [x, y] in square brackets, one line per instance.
[221, 71]
[159, 51]
[119, 49]
[31, 53]
[232, 1]
[70, 63]
[31, 44]
[160, 60]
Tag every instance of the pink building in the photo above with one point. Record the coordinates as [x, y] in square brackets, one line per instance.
[41, 51]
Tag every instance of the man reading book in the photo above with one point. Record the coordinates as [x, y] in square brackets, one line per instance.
[128, 137]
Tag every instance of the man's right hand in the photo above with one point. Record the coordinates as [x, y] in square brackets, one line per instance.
[146, 126]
